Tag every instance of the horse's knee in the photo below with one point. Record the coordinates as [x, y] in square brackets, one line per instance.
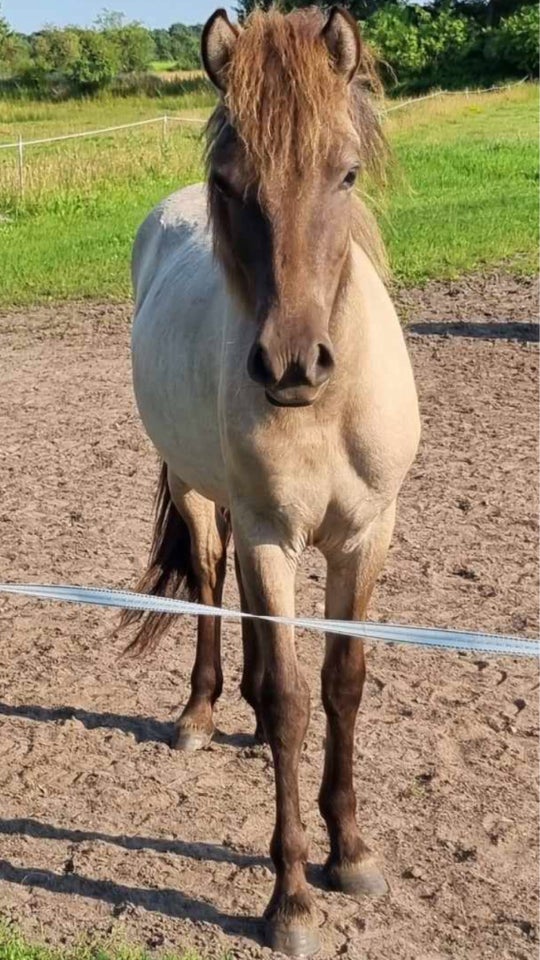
[342, 687]
[285, 708]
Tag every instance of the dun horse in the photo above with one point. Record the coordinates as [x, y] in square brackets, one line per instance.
[271, 374]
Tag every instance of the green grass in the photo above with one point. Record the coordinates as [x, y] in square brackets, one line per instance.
[463, 195]
[160, 66]
[13, 946]
[466, 192]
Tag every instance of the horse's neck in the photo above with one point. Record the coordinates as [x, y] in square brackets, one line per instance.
[362, 305]
[372, 398]
[366, 333]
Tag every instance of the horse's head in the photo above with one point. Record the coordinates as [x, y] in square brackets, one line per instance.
[292, 130]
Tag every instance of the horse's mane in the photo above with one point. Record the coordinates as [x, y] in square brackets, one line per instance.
[286, 102]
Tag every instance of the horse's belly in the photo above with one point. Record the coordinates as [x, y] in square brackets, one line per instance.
[176, 390]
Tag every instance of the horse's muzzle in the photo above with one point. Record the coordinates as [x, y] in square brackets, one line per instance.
[293, 397]
[292, 377]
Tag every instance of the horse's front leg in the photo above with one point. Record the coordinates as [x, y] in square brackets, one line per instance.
[253, 669]
[351, 866]
[268, 574]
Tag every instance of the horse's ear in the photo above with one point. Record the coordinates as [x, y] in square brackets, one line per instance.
[342, 37]
[217, 44]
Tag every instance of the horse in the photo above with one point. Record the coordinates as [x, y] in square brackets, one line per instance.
[272, 377]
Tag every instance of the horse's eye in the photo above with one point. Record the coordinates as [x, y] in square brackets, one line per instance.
[350, 180]
[223, 185]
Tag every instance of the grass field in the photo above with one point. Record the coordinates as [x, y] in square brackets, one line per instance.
[160, 66]
[462, 196]
[14, 947]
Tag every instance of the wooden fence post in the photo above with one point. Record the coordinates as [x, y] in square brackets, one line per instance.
[20, 164]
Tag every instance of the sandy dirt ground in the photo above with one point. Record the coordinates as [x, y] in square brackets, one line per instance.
[105, 831]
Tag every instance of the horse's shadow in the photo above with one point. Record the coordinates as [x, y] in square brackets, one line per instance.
[172, 903]
[143, 729]
[215, 852]
[166, 901]
[169, 902]
[521, 331]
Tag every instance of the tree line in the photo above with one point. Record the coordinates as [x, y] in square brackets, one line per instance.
[442, 43]
[446, 43]
[92, 58]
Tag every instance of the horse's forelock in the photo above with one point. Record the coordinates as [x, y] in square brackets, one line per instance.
[279, 85]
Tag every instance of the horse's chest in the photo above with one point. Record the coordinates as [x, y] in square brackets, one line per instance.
[361, 484]
[321, 486]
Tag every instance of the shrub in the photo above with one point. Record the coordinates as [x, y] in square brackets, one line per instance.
[516, 41]
[185, 47]
[54, 50]
[135, 45]
[396, 40]
[97, 63]
[14, 49]
[425, 47]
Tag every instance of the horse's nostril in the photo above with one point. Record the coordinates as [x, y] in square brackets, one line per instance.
[326, 358]
[259, 366]
[325, 362]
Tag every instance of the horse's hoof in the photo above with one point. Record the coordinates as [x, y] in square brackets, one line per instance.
[189, 739]
[363, 879]
[291, 939]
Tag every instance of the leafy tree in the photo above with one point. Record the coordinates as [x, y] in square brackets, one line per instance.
[12, 47]
[162, 44]
[446, 43]
[411, 40]
[484, 12]
[516, 41]
[54, 50]
[135, 45]
[110, 20]
[133, 40]
[185, 46]
[360, 9]
[97, 63]
[5, 32]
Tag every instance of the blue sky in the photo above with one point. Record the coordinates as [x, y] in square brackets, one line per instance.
[29, 15]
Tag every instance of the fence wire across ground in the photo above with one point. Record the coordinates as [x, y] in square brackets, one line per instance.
[462, 641]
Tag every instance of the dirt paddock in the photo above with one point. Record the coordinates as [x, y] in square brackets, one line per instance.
[104, 830]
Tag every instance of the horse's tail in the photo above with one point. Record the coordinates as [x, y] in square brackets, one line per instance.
[170, 571]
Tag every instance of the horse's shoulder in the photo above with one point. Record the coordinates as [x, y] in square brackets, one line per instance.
[176, 218]
[175, 233]
[184, 209]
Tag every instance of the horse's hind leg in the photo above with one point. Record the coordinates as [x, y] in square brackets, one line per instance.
[351, 577]
[209, 533]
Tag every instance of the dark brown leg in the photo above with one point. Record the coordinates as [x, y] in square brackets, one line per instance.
[253, 670]
[350, 867]
[268, 577]
[209, 535]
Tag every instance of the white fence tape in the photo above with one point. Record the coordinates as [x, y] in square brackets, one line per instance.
[456, 93]
[387, 632]
[166, 118]
[96, 133]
